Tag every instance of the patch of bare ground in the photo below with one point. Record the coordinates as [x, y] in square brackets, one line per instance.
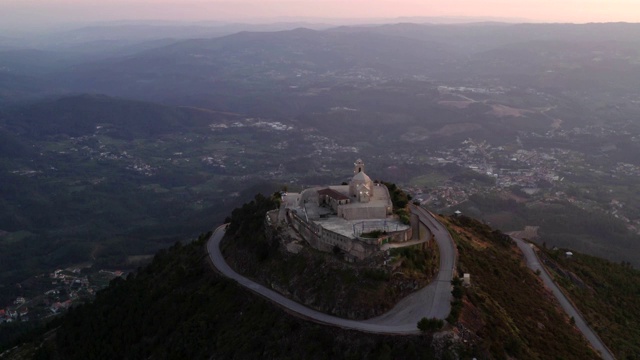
[416, 134]
[420, 134]
[529, 232]
[503, 110]
[474, 241]
[452, 129]
[508, 195]
[470, 323]
[458, 104]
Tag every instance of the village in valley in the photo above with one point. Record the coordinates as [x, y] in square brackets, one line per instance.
[51, 294]
[537, 175]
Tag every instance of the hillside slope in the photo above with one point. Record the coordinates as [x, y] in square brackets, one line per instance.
[606, 293]
[178, 307]
[506, 312]
[507, 308]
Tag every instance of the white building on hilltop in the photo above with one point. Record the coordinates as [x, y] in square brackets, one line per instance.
[360, 200]
[343, 216]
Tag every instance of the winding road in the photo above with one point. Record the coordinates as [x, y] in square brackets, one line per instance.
[432, 301]
[533, 262]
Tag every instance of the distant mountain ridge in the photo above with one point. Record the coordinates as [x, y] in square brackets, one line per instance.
[523, 55]
[175, 69]
[249, 58]
[187, 123]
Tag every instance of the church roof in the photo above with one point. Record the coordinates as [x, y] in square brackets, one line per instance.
[361, 176]
[333, 194]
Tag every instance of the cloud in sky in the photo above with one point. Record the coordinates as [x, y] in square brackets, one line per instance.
[33, 12]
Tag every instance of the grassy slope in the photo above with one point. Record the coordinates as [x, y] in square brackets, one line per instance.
[561, 223]
[507, 305]
[607, 295]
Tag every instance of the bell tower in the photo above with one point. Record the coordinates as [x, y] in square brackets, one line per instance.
[358, 166]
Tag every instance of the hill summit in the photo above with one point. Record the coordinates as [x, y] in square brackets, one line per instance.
[179, 307]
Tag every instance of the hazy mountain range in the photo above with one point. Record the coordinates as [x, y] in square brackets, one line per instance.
[117, 140]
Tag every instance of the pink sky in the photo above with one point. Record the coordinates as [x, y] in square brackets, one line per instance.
[29, 12]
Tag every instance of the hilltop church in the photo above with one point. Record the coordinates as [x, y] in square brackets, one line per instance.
[360, 200]
[336, 216]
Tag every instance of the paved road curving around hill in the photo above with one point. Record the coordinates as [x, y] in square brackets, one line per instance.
[433, 300]
[533, 262]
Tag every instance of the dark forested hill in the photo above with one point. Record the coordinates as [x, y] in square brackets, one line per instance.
[178, 307]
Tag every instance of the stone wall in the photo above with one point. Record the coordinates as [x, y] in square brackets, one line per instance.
[309, 232]
[401, 236]
[395, 236]
[359, 248]
[362, 212]
[331, 239]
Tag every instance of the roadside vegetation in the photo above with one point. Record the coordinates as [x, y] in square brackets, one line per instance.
[430, 325]
[456, 304]
[420, 259]
[506, 311]
[607, 295]
[400, 200]
[561, 224]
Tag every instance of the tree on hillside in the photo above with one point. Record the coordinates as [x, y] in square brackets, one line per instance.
[430, 325]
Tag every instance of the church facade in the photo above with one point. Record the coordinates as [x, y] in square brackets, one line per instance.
[360, 200]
